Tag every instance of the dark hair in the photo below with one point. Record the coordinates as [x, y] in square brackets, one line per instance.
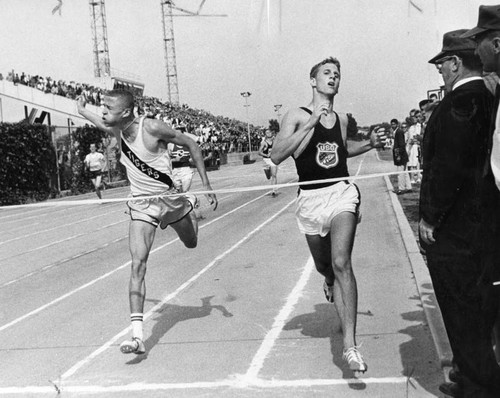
[125, 97]
[394, 121]
[470, 60]
[423, 103]
[329, 60]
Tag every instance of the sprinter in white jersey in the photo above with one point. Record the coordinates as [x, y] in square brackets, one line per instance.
[144, 154]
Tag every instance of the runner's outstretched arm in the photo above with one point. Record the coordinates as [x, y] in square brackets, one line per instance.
[91, 116]
[376, 141]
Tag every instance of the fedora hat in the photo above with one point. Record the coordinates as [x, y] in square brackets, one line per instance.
[453, 42]
[489, 19]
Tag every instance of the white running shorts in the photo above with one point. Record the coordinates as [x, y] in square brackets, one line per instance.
[182, 178]
[161, 211]
[316, 208]
[268, 163]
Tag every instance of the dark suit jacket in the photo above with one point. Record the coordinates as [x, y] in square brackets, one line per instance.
[454, 194]
[400, 156]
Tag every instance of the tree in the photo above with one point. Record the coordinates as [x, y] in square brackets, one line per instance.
[352, 127]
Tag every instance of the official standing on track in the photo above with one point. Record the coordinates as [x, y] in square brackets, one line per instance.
[457, 202]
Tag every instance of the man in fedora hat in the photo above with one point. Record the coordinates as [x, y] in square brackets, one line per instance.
[452, 210]
[487, 36]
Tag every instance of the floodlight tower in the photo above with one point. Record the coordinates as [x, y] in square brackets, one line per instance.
[100, 38]
[168, 41]
[169, 44]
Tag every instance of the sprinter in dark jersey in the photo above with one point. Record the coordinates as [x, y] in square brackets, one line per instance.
[327, 212]
[270, 169]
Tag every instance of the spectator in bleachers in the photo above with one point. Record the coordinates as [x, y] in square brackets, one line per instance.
[226, 133]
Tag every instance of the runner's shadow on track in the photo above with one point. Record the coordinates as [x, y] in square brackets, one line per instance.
[168, 315]
[325, 323]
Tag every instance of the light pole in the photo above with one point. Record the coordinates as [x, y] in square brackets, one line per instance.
[245, 95]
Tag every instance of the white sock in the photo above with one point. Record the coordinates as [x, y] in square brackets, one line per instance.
[136, 319]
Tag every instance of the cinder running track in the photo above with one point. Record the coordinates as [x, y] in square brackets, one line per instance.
[242, 315]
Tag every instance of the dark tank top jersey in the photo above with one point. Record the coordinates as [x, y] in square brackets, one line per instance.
[324, 157]
[267, 150]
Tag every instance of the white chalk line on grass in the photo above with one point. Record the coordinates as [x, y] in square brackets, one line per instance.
[170, 296]
[104, 276]
[255, 383]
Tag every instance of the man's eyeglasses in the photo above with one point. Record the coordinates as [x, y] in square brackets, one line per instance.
[439, 63]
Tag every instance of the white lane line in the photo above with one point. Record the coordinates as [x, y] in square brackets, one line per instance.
[61, 262]
[279, 322]
[34, 249]
[81, 254]
[261, 383]
[20, 214]
[361, 164]
[56, 227]
[88, 284]
[170, 296]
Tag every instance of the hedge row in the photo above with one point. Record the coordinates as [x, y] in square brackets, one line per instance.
[28, 168]
[28, 163]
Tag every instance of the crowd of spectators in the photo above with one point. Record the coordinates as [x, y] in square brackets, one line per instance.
[48, 85]
[220, 133]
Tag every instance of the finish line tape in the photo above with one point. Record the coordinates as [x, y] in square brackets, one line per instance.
[215, 191]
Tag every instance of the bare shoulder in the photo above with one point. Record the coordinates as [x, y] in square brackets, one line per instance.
[298, 114]
[158, 129]
[294, 118]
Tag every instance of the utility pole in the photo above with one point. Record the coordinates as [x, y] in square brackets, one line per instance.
[245, 95]
[100, 38]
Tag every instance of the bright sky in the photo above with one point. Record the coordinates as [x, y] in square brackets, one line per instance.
[383, 47]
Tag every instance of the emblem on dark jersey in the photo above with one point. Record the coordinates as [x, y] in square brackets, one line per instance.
[326, 154]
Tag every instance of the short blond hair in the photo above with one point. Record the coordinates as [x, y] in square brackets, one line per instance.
[329, 60]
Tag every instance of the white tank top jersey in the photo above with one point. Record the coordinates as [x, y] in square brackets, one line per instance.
[141, 183]
[95, 161]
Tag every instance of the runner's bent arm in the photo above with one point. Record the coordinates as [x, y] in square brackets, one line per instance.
[163, 132]
[294, 134]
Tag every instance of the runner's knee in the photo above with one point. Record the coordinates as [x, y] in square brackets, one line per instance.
[341, 263]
